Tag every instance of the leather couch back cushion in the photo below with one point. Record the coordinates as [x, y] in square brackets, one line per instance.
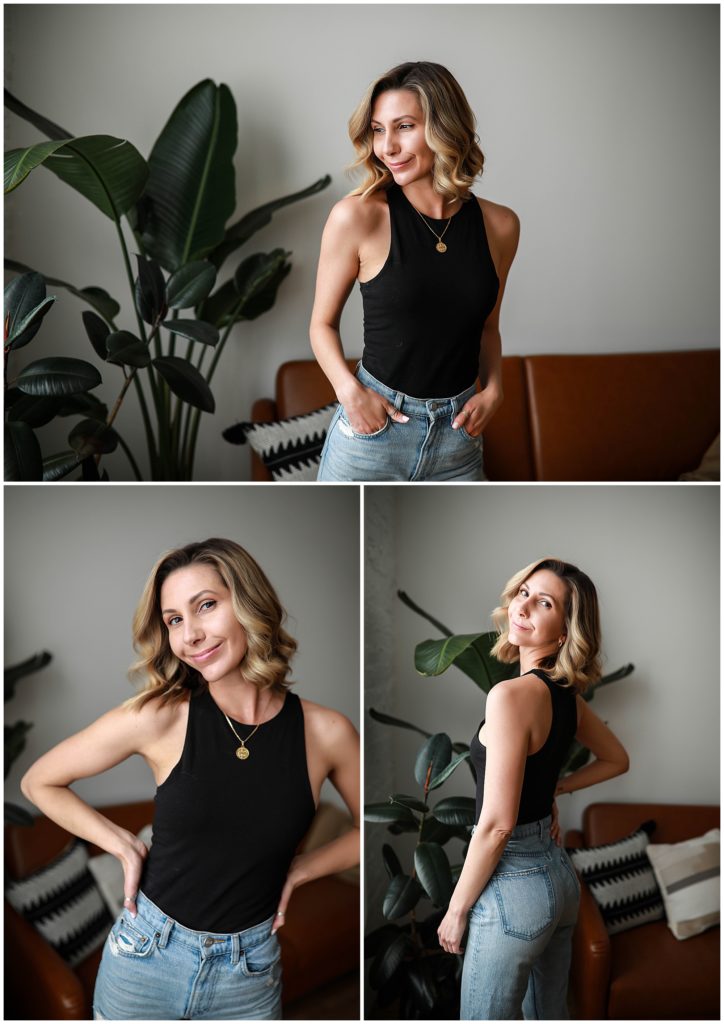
[605, 823]
[28, 849]
[301, 387]
[647, 416]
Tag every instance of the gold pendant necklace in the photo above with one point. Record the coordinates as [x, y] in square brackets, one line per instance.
[441, 247]
[242, 751]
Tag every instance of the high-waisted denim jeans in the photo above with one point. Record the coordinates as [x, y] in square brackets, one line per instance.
[425, 448]
[518, 950]
[155, 969]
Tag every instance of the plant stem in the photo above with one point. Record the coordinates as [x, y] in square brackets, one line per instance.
[129, 453]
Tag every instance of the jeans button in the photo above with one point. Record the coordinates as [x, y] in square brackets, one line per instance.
[208, 942]
[433, 406]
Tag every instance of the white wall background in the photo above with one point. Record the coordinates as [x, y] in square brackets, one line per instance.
[653, 553]
[76, 560]
[600, 126]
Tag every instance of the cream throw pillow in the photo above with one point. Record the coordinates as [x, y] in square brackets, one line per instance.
[688, 876]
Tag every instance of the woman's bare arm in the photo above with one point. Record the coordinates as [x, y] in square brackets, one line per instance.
[338, 740]
[610, 757]
[507, 739]
[106, 742]
[336, 273]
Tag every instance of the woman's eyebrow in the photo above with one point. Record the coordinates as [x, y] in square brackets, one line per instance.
[402, 117]
[192, 600]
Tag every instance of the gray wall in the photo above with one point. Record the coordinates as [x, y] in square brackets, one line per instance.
[76, 560]
[653, 553]
[600, 126]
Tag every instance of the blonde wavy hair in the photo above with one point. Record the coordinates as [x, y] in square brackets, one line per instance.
[255, 604]
[449, 130]
[577, 662]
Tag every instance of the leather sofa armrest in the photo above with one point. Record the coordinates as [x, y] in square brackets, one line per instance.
[264, 410]
[37, 979]
[591, 959]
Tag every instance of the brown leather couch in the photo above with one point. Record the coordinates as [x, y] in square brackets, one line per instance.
[627, 416]
[319, 941]
[644, 973]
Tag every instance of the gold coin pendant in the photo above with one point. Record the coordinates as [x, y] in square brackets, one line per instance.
[242, 753]
[441, 247]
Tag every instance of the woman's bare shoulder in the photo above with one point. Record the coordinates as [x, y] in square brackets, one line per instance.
[326, 722]
[156, 718]
[359, 213]
[503, 221]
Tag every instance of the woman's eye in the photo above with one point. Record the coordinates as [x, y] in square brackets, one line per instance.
[377, 131]
[174, 620]
[407, 126]
[208, 604]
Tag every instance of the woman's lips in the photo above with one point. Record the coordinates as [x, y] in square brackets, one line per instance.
[205, 655]
[524, 629]
[396, 167]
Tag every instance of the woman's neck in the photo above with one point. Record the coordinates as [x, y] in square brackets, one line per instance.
[243, 701]
[429, 202]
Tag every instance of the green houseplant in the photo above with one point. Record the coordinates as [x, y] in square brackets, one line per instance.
[176, 205]
[407, 962]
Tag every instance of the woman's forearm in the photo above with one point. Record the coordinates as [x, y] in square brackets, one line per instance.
[327, 348]
[66, 809]
[491, 360]
[485, 850]
[330, 859]
[597, 771]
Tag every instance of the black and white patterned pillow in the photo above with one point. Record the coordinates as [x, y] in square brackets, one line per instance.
[64, 903]
[621, 880]
[290, 449]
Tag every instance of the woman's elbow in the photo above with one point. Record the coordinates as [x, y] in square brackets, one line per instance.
[27, 786]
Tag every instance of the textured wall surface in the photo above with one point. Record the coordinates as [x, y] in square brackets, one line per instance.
[599, 124]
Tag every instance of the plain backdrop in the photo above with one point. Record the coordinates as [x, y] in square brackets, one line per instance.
[653, 554]
[600, 125]
[77, 558]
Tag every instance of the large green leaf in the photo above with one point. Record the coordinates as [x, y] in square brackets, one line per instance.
[125, 349]
[14, 673]
[109, 172]
[433, 831]
[434, 755]
[90, 437]
[150, 290]
[14, 736]
[470, 652]
[185, 381]
[25, 306]
[33, 410]
[423, 988]
[194, 330]
[389, 956]
[190, 192]
[56, 467]
[391, 861]
[433, 870]
[250, 223]
[57, 375]
[409, 801]
[190, 284]
[23, 460]
[449, 769]
[401, 897]
[97, 330]
[257, 280]
[389, 812]
[455, 810]
[96, 297]
[426, 615]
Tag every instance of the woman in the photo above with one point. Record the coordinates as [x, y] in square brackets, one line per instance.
[239, 761]
[432, 261]
[518, 891]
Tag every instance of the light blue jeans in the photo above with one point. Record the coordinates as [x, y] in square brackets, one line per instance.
[426, 448]
[518, 950]
[155, 969]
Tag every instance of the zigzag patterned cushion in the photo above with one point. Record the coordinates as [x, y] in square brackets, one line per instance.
[64, 903]
[290, 449]
[621, 880]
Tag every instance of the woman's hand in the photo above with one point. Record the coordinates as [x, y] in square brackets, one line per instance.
[295, 876]
[367, 411]
[451, 931]
[478, 411]
[132, 858]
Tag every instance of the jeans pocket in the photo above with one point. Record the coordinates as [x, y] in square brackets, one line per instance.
[257, 961]
[346, 428]
[130, 939]
[463, 433]
[526, 901]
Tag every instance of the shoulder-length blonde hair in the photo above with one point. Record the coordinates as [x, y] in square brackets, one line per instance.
[577, 662]
[449, 130]
[255, 604]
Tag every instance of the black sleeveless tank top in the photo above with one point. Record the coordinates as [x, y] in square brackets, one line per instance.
[226, 830]
[543, 768]
[424, 311]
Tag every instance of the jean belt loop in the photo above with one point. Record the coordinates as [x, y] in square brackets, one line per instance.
[165, 933]
[235, 949]
[399, 399]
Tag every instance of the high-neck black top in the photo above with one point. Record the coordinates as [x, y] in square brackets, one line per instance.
[225, 830]
[543, 768]
[424, 312]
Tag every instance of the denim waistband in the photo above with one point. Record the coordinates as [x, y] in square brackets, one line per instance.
[210, 943]
[533, 829]
[419, 408]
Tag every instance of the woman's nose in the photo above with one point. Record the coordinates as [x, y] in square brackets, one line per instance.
[192, 631]
[391, 144]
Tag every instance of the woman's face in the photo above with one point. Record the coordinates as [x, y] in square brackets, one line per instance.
[398, 136]
[202, 629]
[536, 615]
